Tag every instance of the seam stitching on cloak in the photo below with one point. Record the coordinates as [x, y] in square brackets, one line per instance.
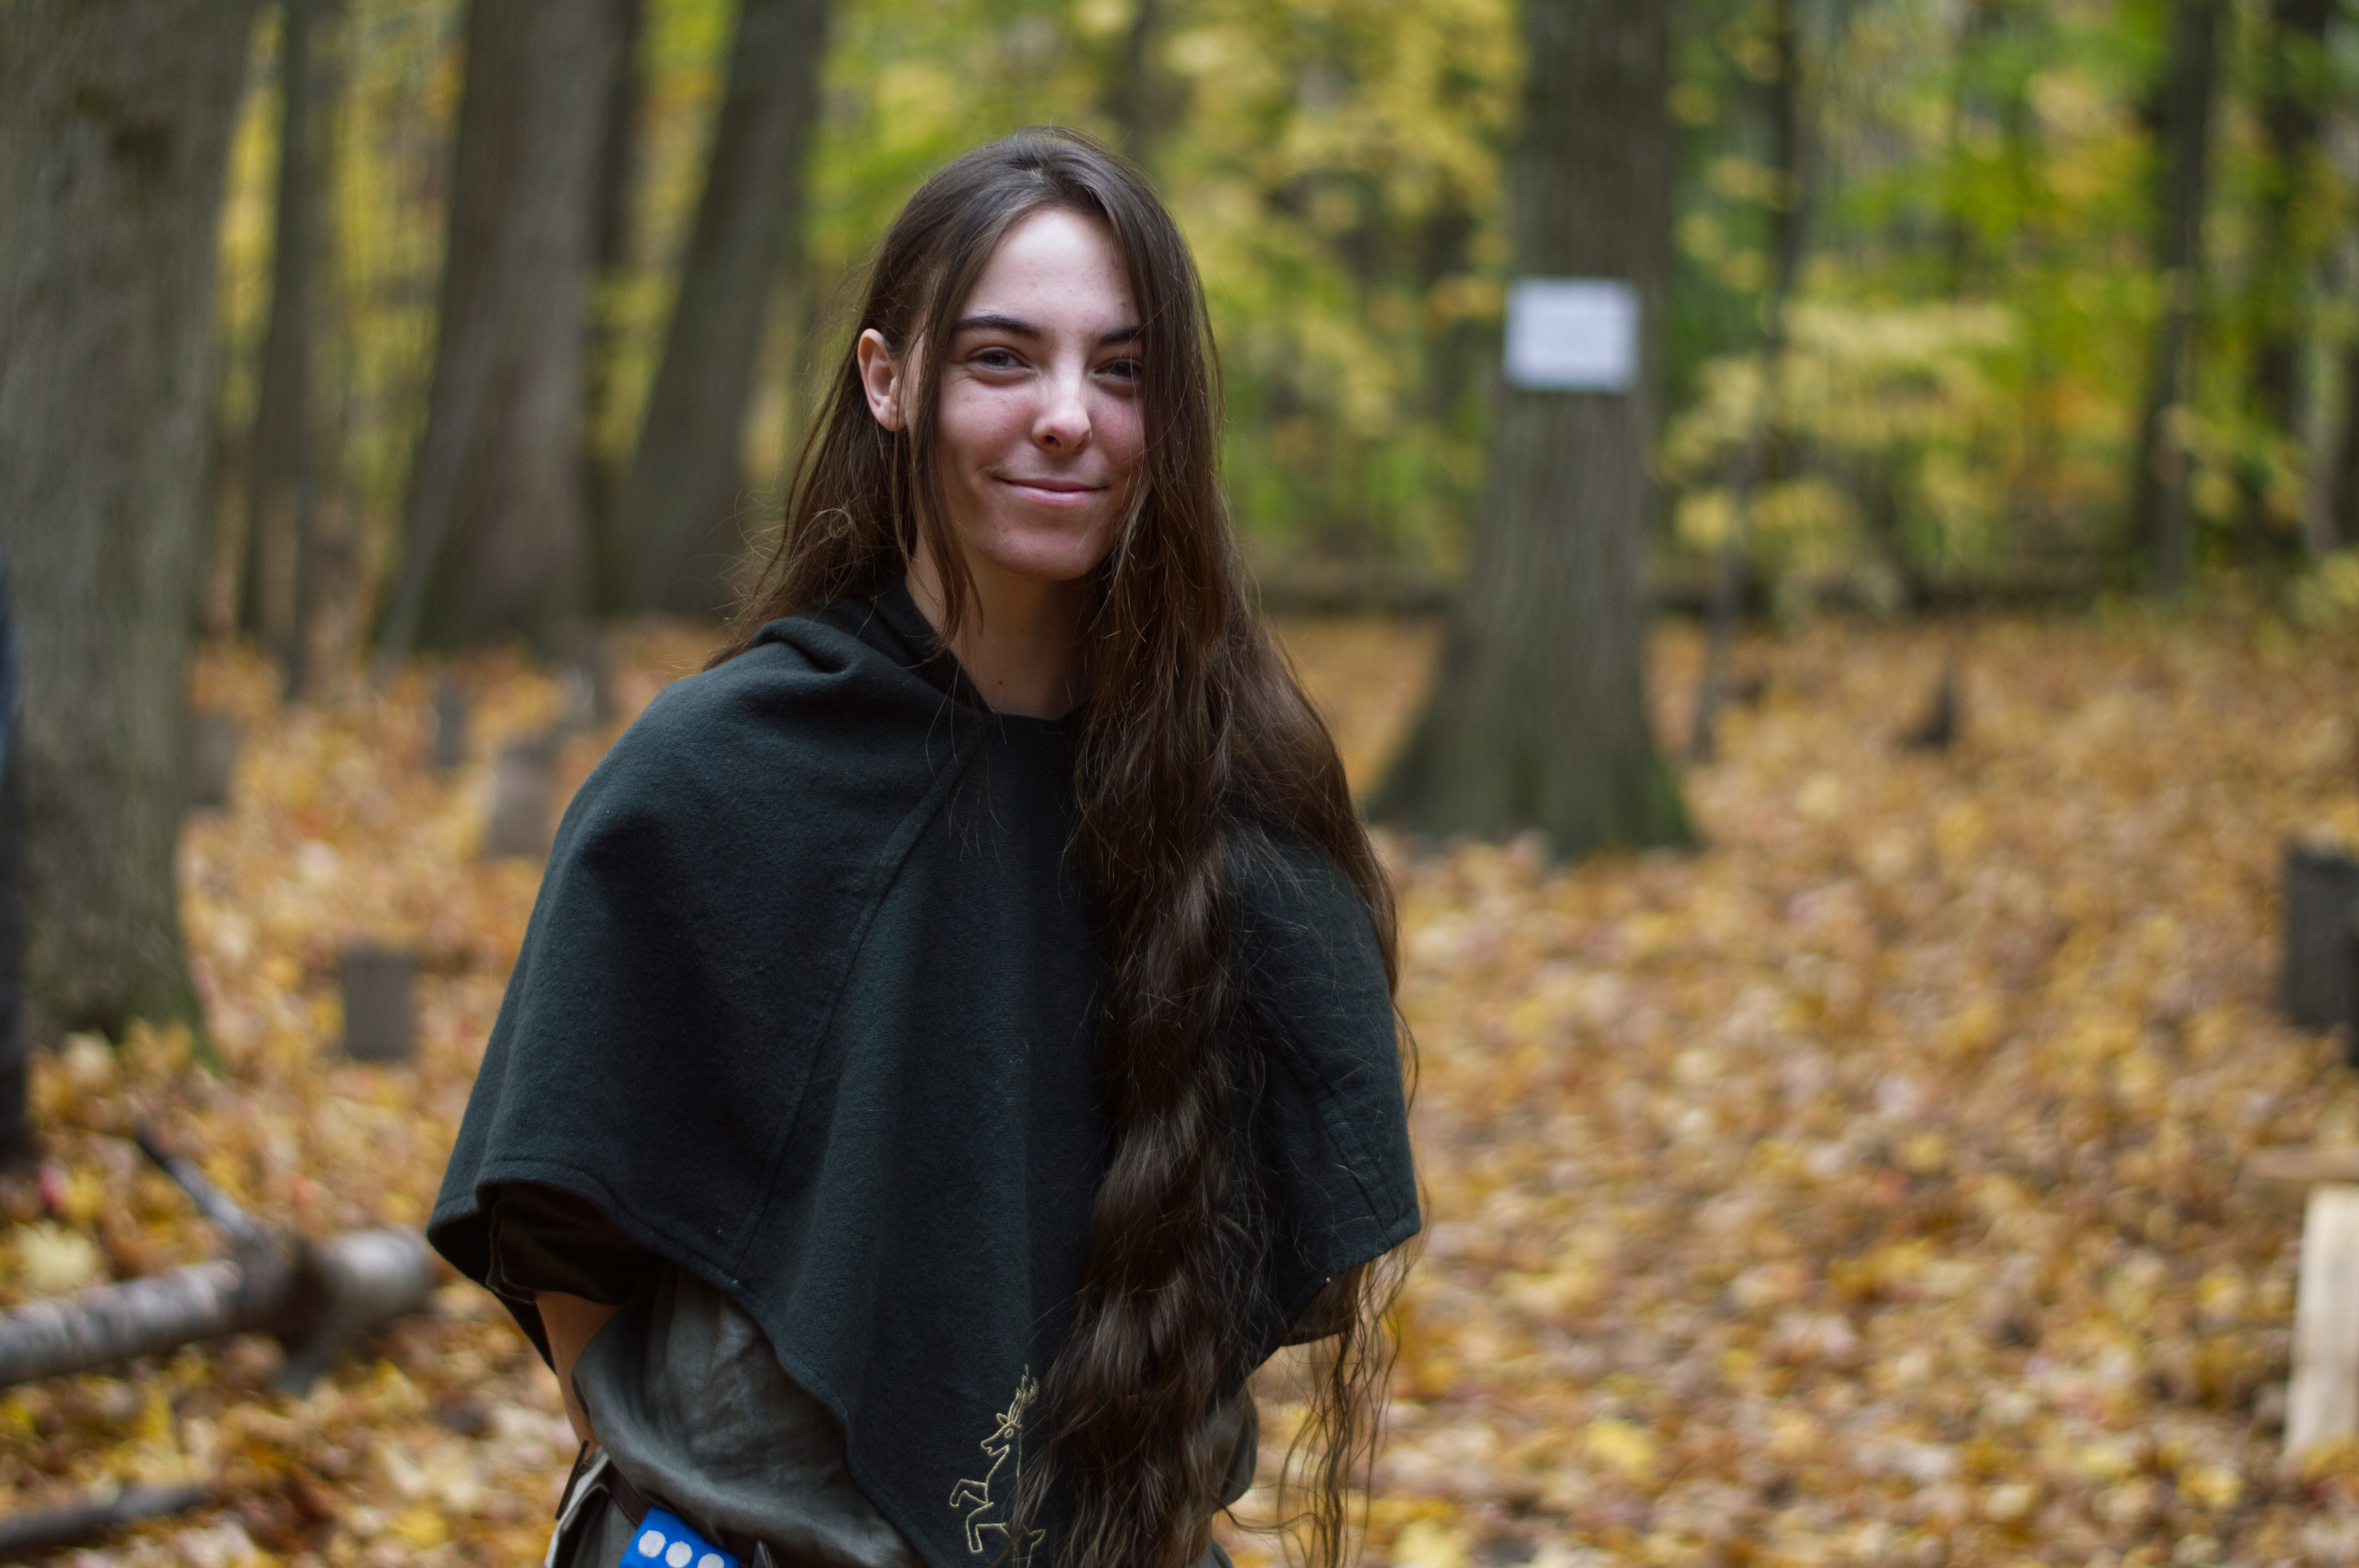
[889, 862]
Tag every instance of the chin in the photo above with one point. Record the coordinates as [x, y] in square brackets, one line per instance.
[1064, 557]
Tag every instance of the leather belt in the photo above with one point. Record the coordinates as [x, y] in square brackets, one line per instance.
[627, 1497]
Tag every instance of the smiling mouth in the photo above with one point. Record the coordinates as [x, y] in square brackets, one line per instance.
[1053, 486]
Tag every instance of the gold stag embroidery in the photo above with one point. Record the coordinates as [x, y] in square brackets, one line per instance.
[1005, 1448]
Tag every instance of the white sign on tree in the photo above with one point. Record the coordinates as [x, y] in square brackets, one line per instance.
[1572, 334]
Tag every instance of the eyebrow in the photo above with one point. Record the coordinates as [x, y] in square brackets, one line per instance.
[987, 323]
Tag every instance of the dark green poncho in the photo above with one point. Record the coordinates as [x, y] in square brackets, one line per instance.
[808, 1006]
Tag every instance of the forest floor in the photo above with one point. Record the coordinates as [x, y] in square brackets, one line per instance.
[1863, 1188]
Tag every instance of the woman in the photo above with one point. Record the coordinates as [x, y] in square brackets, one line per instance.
[954, 1046]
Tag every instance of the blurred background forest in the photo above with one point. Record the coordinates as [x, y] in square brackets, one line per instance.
[388, 392]
[1990, 311]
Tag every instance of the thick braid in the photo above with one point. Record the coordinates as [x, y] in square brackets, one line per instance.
[1150, 1350]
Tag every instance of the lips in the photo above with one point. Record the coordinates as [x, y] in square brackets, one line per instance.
[1053, 486]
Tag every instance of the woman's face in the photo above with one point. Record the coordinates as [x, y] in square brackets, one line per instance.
[1038, 425]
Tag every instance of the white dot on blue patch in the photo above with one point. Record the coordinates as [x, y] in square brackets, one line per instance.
[651, 1543]
[679, 1553]
[710, 1560]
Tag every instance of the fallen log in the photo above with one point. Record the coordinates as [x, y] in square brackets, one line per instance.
[313, 1301]
[313, 1296]
[49, 1528]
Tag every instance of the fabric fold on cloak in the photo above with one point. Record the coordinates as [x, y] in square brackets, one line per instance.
[808, 1005]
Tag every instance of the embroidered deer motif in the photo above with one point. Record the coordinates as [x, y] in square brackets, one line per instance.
[1005, 1448]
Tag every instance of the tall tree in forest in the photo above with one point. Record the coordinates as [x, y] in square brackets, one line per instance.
[1789, 229]
[2293, 100]
[1134, 89]
[278, 592]
[679, 506]
[496, 536]
[1538, 717]
[114, 127]
[613, 228]
[2160, 517]
[2330, 509]
[1982, 22]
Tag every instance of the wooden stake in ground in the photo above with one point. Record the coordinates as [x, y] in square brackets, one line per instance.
[2322, 1398]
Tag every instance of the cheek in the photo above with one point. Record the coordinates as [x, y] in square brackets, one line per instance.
[1121, 431]
[977, 424]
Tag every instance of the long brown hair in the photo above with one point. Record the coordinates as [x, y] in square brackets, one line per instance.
[1193, 741]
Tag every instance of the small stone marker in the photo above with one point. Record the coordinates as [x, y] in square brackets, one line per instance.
[584, 680]
[523, 797]
[577, 698]
[450, 723]
[211, 759]
[2322, 896]
[2323, 1397]
[380, 1017]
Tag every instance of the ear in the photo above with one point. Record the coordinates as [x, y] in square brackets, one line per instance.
[880, 376]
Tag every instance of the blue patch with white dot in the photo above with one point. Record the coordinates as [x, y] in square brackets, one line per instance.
[664, 1539]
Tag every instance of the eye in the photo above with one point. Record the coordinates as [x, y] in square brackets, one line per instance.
[1128, 369]
[996, 357]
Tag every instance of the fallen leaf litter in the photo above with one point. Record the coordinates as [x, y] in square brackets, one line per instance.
[1863, 1189]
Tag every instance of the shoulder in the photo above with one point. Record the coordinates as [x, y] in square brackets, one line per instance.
[808, 717]
[1291, 895]
[1308, 948]
[798, 668]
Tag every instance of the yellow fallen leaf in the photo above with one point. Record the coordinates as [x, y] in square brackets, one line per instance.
[52, 1261]
[1629, 1449]
[1430, 1543]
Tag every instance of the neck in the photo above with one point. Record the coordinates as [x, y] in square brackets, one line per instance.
[1017, 639]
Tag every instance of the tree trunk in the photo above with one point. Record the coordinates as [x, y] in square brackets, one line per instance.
[2334, 518]
[1981, 21]
[618, 143]
[2160, 504]
[2292, 102]
[115, 127]
[16, 1045]
[1538, 719]
[1135, 98]
[604, 455]
[679, 508]
[497, 538]
[283, 455]
[1789, 236]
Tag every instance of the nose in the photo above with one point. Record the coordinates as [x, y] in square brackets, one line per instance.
[1062, 423]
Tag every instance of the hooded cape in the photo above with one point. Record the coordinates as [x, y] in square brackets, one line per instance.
[808, 1005]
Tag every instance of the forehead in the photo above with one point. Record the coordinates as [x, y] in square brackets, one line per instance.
[1058, 270]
